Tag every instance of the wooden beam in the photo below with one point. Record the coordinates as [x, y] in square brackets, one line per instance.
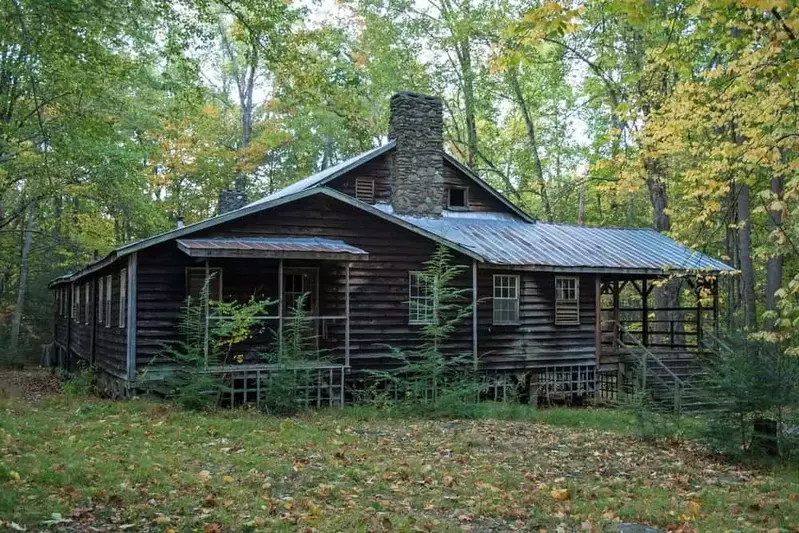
[279, 308]
[131, 318]
[206, 314]
[347, 314]
[474, 312]
[598, 319]
[644, 313]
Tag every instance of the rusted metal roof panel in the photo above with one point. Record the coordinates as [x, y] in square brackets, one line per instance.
[272, 244]
[505, 241]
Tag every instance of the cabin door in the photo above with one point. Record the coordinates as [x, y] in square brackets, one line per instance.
[302, 283]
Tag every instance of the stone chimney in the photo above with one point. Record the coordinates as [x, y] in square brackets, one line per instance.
[231, 200]
[418, 170]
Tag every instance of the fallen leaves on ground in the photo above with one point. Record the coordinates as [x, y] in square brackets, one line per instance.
[142, 466]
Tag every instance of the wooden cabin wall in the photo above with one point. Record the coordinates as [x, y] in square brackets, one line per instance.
[536, 341]
[110, 350]
[379, 287]
[379, 171]
[100, 345]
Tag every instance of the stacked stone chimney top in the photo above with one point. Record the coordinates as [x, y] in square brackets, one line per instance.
[417, 126]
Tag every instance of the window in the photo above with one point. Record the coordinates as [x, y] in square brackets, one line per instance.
[107, 302]
[87, 308]
[567, 301]
[420, 304]
[458, 198]
[100, 300]
[123, 297]
[195, 280]
[296, 283]
[365, 190]
[506, 299]
[73, 308]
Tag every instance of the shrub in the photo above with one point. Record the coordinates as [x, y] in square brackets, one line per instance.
[426, 376]
[754, 385]
[187, 381]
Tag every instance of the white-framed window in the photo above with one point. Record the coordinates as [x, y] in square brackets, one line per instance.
[123, 297]
[365, 190]
[567, 300]
[195, 280]
[458, 198]
[107, 302]
[506, 299]
[299, 282]
[100, 300]
[421, 300]
[87, 306]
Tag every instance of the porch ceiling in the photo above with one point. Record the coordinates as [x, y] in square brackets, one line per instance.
[272, 248]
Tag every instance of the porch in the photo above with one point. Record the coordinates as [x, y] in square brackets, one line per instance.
[303, 331]
[648, 343]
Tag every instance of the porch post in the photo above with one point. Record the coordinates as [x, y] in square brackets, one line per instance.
[616, 315]
[206, 309]
[698, 294]
[347, 315]
[279, 308]
[715, 288]
[474, 313]
[644, 313]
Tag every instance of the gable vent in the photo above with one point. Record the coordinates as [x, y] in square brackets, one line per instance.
[365, 190]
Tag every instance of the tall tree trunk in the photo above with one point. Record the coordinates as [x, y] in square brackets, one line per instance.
[533, 141]
[667, 296]
[745, 256]
[774, 265]
[731, 243]
[16, 317]
[581, 203]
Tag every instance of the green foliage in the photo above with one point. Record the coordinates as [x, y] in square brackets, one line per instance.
[80, 383]
[293, 372]
[206, 344]
[653, 421]
[428, 376]
[749, 382]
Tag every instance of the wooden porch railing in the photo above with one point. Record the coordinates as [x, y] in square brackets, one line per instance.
[646, 358]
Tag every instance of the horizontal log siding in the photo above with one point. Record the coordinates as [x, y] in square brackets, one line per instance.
[536, 341]
[479, 199]
[379, 287]
[80, 342]
[379, 170]
[110, 342]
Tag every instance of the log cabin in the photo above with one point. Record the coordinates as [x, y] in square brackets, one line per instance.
[557, 305]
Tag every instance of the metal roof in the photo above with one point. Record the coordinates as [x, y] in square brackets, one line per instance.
[502, 240]
[330, 173]
[268, 246]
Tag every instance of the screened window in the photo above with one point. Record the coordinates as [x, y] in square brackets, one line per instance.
[506, 299]
[107, 302]
[420, 303]
[457, 197]
[567, 300]
[101, 301]
[195, 280]
[365, 190]
[87, 309]
[123, 297]
[73, 311]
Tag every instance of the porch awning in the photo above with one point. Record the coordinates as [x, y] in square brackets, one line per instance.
[272, 248]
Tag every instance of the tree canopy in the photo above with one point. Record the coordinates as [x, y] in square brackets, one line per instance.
[116, 118]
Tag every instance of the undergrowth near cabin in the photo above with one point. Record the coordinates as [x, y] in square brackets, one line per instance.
[70, 464]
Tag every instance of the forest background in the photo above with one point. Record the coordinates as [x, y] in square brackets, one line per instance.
[119, 117]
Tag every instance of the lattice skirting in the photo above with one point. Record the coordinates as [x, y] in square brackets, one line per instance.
[557, 383]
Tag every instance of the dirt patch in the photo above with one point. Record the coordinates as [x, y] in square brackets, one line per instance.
[30, 385]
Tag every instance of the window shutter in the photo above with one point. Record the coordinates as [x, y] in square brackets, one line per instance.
[123, 297]
[567, 301]
[100, 300]
[365, 190]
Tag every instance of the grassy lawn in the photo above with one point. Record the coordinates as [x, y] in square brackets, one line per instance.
[146, 466]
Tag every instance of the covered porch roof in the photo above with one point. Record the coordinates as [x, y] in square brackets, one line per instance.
[272, 248]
